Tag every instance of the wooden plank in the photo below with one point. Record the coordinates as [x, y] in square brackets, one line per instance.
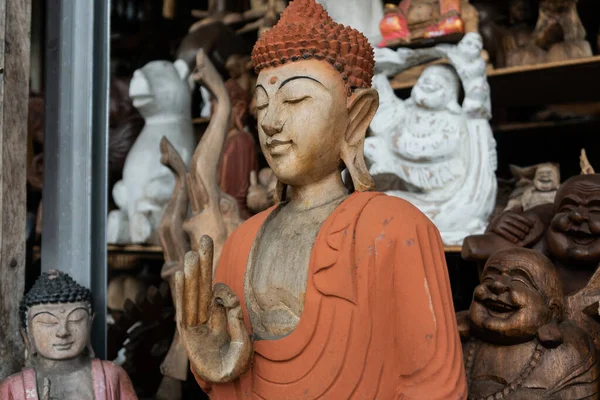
[550, 83]
[15, 23]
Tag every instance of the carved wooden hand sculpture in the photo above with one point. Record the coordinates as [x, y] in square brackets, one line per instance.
[209, 321]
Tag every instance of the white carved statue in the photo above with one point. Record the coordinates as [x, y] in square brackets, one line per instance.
[444, 153]
[161, 94]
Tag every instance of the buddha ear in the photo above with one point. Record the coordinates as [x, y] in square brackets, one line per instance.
[550, 335]
[362, 106]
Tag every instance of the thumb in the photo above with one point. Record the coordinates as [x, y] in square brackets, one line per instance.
[253, 178]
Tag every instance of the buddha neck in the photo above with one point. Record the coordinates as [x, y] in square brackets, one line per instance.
[48, 366]
[316, 194]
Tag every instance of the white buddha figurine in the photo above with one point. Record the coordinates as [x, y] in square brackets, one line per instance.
[443, 153]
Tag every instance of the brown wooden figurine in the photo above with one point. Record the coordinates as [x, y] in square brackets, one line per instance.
[518, 343]
[213, 211]
[57, 317]
[536, 185]
[330, 294]
[568, 233]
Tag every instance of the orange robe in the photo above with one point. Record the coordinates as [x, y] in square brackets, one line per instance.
[378, 319]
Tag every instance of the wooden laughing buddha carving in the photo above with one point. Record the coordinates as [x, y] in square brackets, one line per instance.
[57, 318]
[520, 345]
[328, 294]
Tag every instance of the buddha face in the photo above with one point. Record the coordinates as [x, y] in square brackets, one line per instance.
[435, 88]
[302, 112]
[513, 300]
[547, 178]
[471, 45]
[59, 331]
[574, 233]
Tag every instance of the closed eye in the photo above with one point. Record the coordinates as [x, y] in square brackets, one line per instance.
[296, 100]
[262, 106]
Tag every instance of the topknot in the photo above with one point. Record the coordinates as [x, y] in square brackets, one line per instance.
[305, 31]
[53, 287]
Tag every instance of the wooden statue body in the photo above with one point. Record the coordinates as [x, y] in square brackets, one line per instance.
[277, 274]
[334, 293]
[521, 343]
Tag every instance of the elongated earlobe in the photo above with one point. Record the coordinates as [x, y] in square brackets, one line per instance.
[362, 106]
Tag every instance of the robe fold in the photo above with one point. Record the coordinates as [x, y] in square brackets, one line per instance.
[378, 319]
[110, 383]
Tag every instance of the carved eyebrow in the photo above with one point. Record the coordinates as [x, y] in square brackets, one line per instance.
[569, 200]
[293, 78]
[43, 312]
[523, 273]
[493, 269]
[78, 308]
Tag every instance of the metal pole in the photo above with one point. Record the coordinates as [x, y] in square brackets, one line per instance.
[76, 147]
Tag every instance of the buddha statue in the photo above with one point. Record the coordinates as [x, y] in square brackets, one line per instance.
[536, 185]
[568, 233]
[443, 152]
[328, 294]
[519, 344]
[57, 316]
[239, 157]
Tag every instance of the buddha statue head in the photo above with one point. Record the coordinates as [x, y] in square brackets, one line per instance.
[57, 316]
[520, 298]
[314, 98]
[471, 45]
[547, 177]
[574, 233]
[437, 89]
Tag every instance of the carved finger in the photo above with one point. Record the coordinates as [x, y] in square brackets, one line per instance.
[253, 178]
[179, 303]
[236, 325]
[515, 231]
[506, 233]
[523, 220]
[518, 225]
[205, 252]
[217, 322]
[192, 286]
[223, 299]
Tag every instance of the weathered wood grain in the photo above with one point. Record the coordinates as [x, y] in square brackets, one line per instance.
[15, 26]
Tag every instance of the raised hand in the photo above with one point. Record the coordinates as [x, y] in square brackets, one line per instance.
[210, 322]
[513, 226]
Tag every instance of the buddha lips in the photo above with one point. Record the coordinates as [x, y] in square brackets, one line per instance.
[305, 31]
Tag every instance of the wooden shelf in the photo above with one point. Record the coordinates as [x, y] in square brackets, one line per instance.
[134, 248]
[550, 83]
[452, 249]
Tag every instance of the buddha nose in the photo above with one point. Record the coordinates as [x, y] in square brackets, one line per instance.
[577, 216]
[270, 124]
[497, 287]
[63, 331]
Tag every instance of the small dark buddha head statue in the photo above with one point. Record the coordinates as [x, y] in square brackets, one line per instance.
[574, 233]
[57, 317]
[520, 298]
